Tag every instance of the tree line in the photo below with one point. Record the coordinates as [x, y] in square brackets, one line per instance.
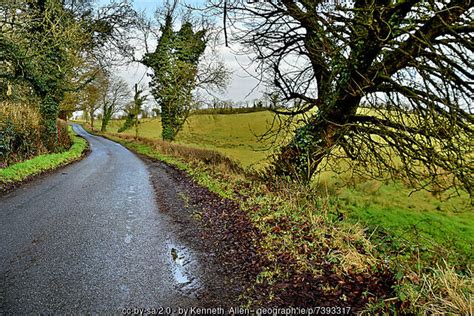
[54, 53]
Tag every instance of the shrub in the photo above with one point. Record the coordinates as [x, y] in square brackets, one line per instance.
[19, 132]
[64, 139]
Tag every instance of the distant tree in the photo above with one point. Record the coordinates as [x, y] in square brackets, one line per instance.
[69, 104]
[273, 100]
[156, 112]
[326, 58]
[91, 96]
[113, 98]
[133, 111]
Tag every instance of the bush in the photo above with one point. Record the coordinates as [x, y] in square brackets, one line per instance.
[18, 172]
[64, 139]
[20, 133]
[20, 136]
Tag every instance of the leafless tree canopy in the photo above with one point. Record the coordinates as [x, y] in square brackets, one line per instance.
[388, 84]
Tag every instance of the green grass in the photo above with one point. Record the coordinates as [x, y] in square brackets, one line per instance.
[439, 228]
[25, 169]
[419, 217]
[202, 177]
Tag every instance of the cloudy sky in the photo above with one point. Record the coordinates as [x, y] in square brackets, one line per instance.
[242, 86]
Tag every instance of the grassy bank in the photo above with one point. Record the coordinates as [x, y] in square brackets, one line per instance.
[19, 172]
[342, 244]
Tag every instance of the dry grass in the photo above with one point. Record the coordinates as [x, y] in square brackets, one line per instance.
[449, 292]
[441, 292]
[206, 156]
[20, 112]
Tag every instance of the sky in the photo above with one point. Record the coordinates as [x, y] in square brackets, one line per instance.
[242, 87]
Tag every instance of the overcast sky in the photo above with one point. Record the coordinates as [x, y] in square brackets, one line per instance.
[242, 86]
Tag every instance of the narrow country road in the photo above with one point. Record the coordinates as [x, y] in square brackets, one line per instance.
[91, 238]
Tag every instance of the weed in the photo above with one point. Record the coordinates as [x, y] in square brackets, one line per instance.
[441, 291]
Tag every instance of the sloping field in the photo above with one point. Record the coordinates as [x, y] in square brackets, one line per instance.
[234, 135]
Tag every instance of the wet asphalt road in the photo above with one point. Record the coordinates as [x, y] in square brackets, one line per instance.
[89, 238]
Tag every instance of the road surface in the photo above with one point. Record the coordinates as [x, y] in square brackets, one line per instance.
[91, 238]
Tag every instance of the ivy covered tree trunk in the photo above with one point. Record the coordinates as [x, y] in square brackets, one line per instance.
[174, 63]
[107, 116]
[105, 122]
[167, 129]
[49, 109]
[314, 141]
[48, 74]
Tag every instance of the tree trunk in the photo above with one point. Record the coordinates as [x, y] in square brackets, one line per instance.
[91, 115]
[136, 127]
[105, 121]
[166, 123]
[300, 159]
[49, 109]
[103, 126]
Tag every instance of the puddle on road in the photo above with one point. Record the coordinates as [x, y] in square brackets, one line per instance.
[182, 262]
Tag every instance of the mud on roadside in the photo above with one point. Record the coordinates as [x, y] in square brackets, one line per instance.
[219, 233]
[228, 249]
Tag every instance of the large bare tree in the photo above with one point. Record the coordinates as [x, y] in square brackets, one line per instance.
[386, 83]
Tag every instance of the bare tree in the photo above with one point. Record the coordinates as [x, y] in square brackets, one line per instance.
[388, 84]
[116, 94]
[90, 96]
[134, 109]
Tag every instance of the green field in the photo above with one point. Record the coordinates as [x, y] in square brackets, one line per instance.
[446, 227]
[233, 135]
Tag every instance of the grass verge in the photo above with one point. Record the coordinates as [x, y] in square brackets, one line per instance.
[19, 172]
